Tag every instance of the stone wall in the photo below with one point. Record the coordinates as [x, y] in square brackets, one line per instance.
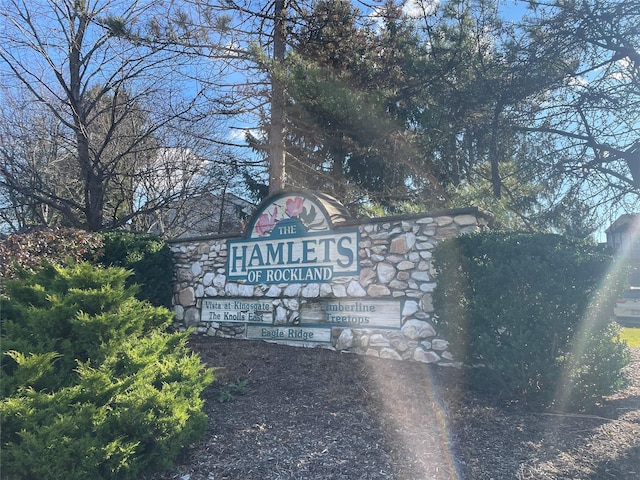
[395, 269]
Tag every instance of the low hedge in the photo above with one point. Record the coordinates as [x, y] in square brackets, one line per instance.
[148, 256]
[530, 314]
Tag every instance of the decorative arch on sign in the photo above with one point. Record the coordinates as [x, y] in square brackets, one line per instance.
[314, 211]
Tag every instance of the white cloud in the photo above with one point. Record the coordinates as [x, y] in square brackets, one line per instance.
[414, 9]
[420, 8]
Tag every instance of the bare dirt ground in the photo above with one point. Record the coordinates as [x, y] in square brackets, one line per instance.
[278, 412]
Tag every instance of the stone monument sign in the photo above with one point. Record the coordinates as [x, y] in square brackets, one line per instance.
[304, 273]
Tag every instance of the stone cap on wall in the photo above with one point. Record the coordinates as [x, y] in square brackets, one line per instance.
[340, 217]
[452, 212]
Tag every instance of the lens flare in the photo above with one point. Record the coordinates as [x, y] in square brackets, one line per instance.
[420, 434]
[600, 310]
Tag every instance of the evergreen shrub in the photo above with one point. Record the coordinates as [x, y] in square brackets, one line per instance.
[93, 386]
[148, 256]
[530, 314]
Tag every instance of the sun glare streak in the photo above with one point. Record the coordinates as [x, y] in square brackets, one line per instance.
[597, 311]
[419, 421]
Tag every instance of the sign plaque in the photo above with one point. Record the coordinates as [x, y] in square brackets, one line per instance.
[237, 310]
[291, 239]
[292, 333]
[290, 242]
[361, 313]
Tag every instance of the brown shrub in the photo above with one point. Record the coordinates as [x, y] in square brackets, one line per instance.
[57, 245]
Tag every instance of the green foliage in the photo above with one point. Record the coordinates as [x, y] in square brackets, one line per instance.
[75, 311]
[529, 203]
[148, 256]
[352, 98]
[92, 385]
[232, 389]
[531, 314]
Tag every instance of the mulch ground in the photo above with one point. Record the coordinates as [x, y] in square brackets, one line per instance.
[279, 412]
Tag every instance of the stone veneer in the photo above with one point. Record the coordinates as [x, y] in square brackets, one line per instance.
[395, 263]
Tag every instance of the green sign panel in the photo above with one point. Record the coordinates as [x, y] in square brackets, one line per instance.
[289, 333]
[290, 240]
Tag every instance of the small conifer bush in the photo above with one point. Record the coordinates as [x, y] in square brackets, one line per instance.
[93, 387]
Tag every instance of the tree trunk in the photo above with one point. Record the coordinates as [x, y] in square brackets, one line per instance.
[494, 153]
[276, 133]
[93, 183]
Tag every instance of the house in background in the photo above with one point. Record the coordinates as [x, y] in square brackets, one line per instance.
[204, 214]
[624, 237]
